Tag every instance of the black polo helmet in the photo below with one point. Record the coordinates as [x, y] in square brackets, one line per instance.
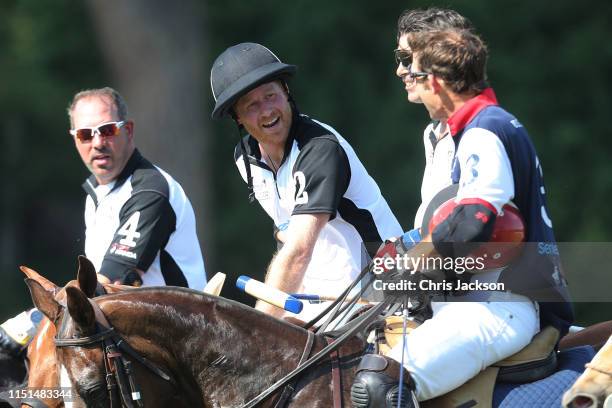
[241, 68]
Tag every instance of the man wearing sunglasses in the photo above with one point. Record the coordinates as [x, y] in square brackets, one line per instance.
[327, 210]
[140, 225]
[437, 147]
[490, 158]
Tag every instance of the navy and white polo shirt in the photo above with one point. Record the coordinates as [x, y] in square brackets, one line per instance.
[143, 220]
[494, 161]
[320, 173]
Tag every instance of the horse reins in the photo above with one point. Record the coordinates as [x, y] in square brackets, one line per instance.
[290, 388]
[118, 369]
[357, 325]
[353, 327]
[335, 309]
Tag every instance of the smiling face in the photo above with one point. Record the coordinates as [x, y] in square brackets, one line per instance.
[265, 112]
[402, 72]
[104, 156]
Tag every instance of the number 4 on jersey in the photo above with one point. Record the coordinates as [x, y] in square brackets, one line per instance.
[129, 230]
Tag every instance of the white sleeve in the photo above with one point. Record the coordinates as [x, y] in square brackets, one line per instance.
[486, 173]
[429, 151]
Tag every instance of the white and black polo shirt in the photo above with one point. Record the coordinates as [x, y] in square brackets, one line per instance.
[320, 173]
[143, 220]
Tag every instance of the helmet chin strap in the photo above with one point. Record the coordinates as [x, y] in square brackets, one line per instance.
[294, 109]
[247, 165]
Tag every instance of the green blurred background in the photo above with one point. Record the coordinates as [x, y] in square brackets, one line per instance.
[550, 64]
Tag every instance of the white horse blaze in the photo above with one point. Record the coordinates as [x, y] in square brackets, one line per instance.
[66, 384]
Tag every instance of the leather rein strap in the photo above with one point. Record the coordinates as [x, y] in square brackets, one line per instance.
[290, 388]
[118, 369]
[336, 376]
[356, 326]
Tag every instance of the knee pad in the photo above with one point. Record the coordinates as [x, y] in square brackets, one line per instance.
[376, 384]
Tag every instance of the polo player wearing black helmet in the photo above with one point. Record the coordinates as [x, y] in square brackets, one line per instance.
[328, 212]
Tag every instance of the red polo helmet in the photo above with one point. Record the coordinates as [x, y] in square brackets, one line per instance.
[506, 240]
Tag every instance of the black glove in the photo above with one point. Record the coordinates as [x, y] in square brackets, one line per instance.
[132, 278]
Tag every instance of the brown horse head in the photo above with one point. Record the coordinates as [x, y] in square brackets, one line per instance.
[83, 366]
[217, 352]
[43, 370]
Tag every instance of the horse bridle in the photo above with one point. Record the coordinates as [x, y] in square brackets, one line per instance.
[118, 369]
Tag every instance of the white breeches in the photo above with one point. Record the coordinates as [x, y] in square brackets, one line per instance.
[463, 338]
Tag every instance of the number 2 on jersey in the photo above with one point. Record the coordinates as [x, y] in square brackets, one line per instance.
[301, 196]
[129, 230]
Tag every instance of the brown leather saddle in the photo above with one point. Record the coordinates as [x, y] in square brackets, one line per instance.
[535, 361]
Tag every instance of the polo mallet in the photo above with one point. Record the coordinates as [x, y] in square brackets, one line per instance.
[269, 294]
[311, 298]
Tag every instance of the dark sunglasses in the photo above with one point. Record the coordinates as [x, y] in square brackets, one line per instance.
[106, 130]
[403, 57]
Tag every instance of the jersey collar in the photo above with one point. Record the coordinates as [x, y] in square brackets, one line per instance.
[296, 121]
[460, 119]
[91, 183]
[129, 168]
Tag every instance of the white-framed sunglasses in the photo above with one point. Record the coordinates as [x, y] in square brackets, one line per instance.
[105, 129]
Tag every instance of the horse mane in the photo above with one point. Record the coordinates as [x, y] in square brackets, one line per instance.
[184, 292]
[227, 348]
[192, 314]
[147, 294]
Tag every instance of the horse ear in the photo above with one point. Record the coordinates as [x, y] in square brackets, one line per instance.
[43, 299]
[81, 310]
[87, 277]
[32, 274]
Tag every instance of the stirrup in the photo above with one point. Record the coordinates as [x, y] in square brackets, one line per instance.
[376, 384]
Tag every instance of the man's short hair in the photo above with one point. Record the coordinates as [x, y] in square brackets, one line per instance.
[431, 19]
[108, 92]
[457, 56]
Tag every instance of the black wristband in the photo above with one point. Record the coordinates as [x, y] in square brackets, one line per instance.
[116, 271]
